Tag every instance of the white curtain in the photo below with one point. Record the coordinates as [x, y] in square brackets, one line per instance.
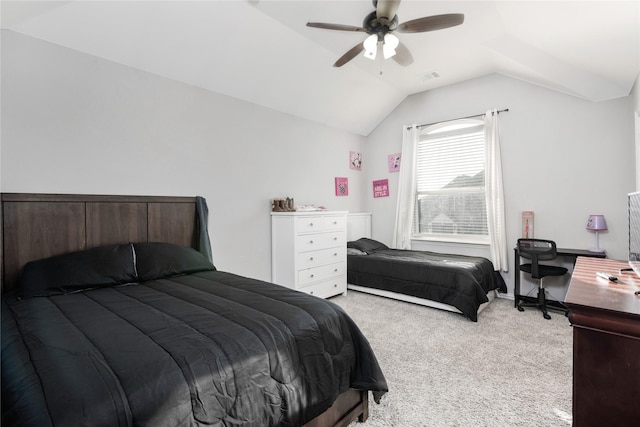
[495, 193]
[406, 189]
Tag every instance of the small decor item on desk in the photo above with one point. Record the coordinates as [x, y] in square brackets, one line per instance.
[607, 276]
[527, 224]
[283, 205]
[596, 223]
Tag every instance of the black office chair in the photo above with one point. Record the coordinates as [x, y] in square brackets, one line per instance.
[540, 250]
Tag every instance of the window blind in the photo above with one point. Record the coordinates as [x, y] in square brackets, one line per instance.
[450, 186]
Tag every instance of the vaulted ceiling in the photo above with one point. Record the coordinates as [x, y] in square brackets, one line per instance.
[262, 51]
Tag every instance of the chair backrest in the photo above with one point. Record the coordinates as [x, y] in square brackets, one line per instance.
[537, 249]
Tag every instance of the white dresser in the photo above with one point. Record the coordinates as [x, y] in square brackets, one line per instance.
[309, 251]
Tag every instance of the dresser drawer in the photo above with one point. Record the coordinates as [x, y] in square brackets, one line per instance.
[326, 289]
[320, 257]
[312, 242]
[320, 223]
[318, 274]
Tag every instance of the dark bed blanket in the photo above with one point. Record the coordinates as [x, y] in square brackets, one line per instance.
[457, 280]
[209, 348]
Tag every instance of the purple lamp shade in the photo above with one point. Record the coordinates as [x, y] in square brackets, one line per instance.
[596, 223]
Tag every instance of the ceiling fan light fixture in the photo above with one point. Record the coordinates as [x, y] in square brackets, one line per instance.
[390, 44]
[380, 23]
[371, 46]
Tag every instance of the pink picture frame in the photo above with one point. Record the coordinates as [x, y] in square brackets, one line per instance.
[342, 186]
[355, 160]
[393, 160]
[381, 188]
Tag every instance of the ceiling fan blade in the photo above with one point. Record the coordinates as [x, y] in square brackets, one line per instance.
[351, 53]
[403, 55]
[387, 8]
[339, 27]
[431, 23]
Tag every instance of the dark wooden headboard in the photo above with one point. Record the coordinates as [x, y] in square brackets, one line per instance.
[37, 226]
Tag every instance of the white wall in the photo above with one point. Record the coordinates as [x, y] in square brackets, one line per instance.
[563, 157]
[73, 123]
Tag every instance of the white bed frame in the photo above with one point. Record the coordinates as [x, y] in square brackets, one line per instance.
[415, 300]
[359, 225]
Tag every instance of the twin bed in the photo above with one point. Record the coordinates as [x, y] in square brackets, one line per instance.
[457, 283]
[114, 315]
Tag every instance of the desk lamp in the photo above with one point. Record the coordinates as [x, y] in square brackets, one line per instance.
[596, 223]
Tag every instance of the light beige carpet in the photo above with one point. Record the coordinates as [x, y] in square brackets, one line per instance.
[508, 369]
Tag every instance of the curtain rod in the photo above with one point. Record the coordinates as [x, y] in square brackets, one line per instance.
[459, 118]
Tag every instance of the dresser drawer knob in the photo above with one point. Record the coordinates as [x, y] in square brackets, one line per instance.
[311, 259]
[335, 270]
[335, 238]
[335, 285]
[311, 276]
[335, 254]
[310, 224]
[311, 293]
[311, 242]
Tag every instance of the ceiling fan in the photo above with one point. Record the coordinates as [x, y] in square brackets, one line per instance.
[381, 23]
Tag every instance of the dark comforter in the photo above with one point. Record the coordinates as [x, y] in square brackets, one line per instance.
[457, 280]
[209, 348]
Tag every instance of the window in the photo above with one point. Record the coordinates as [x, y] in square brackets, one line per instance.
[450, 184]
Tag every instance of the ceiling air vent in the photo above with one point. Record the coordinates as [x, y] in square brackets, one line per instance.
[429, 76]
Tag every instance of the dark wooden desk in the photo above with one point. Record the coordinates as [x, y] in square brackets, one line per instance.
[606, 344]
[562, 252]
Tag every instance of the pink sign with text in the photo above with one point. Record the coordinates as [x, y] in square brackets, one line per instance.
[381, 188]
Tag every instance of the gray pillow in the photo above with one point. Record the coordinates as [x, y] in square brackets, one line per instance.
[75, 271]
[155, 260]
[367, 245]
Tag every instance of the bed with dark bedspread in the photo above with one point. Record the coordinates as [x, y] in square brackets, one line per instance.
[186, 346]
[457, 280]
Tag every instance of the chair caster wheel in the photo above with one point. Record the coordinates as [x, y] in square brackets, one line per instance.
[520, 308]
[546, 316]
